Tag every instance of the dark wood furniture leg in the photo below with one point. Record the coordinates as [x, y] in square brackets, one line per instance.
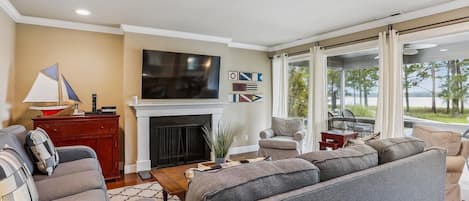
[165, 195]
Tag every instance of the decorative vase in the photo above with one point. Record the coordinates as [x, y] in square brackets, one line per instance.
[219, 161]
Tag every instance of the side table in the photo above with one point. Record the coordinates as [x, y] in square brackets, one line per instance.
[335, 138]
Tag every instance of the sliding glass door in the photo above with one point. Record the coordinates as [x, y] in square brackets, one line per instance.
[298, 86]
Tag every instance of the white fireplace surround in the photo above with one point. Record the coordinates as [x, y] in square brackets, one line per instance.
[146, 110]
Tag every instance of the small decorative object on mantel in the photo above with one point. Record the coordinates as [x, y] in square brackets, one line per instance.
[219, 141]
[51, 87]
[244, 87]
[245, 76]
[245, 98]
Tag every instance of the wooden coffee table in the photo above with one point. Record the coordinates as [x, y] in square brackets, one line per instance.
[172, 180]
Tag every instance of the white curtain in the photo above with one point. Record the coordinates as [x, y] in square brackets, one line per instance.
[389, 115]
[280, 85]
[317, 114]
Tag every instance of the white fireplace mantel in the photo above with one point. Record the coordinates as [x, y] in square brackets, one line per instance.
[146, 110]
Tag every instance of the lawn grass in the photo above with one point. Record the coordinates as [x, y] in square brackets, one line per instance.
[418, 112]
[440, 115]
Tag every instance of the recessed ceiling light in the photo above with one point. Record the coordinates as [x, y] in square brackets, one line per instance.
[443, 50]
[83, 12]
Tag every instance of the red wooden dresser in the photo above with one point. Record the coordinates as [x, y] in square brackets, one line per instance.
[100, 132]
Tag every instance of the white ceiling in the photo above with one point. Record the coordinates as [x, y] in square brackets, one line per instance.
[260, 22]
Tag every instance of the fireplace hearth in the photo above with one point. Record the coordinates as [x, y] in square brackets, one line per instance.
[178, 140]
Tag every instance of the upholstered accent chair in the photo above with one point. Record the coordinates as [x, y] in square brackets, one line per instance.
[457, 151]
[283, 140]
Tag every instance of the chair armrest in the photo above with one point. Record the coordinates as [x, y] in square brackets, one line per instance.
[464, 148]
[73, 153]
[298, 136]
[267, 133]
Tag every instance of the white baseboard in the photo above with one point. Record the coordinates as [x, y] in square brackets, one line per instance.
[132, 168]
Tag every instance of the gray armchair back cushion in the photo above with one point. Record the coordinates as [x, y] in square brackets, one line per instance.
[14, 136]
[287, 127]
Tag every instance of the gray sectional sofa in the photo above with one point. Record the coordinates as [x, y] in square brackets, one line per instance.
[77, 177]
[394, 169]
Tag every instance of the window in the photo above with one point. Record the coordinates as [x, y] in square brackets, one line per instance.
[353, 83]
[435, 80]
[298, 87]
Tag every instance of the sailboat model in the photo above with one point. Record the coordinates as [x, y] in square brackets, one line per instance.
[49, 87]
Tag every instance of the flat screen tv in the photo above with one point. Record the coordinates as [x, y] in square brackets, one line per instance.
[172, 75]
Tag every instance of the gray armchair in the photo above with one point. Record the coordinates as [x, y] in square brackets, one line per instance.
[283, 140]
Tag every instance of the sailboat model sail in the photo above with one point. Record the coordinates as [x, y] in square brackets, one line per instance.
[47, 88]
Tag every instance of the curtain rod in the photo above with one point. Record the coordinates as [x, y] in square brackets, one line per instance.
[434, 25]
[405, 31]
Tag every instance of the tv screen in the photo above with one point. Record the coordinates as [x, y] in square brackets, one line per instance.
[171, 75]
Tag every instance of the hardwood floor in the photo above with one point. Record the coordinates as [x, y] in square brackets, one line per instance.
[134, 179]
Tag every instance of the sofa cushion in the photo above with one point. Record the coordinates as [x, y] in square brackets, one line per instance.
[16, 182]
[97, 194]
[42, 150]
[63, 186]
[391, 149]
[449, 140]
[252, 181]
[14, 136]
[279, 142]
[340, 162]
[287, 127]
[72, 167]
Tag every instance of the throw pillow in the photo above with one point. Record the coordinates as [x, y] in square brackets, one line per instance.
[42, 150]
[16, 182]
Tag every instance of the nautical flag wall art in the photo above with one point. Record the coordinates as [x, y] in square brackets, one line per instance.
[244, 87]
[245, 98]
[245, 76]
[233, 75]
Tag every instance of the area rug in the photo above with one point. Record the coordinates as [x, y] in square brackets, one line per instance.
[151, 191]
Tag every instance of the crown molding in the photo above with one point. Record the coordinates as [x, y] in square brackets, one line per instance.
[68, 25]
[17, 17]
[248, 46]
[10, 10]
[174, 34]
[375, 24]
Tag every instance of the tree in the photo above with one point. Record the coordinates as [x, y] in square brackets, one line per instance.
[352, 80]
[413, 75]
[298, 92]
[455, 88]
[333, 79]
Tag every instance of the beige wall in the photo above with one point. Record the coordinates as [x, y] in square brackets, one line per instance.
[7, 59]
[91, 63]
[247, 118]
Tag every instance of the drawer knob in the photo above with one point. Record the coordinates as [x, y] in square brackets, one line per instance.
[55, 130]
[102, 127]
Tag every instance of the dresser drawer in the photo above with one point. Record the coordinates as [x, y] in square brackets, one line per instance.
[79, 128]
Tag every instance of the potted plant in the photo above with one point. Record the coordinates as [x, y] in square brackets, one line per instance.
[219, 141]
